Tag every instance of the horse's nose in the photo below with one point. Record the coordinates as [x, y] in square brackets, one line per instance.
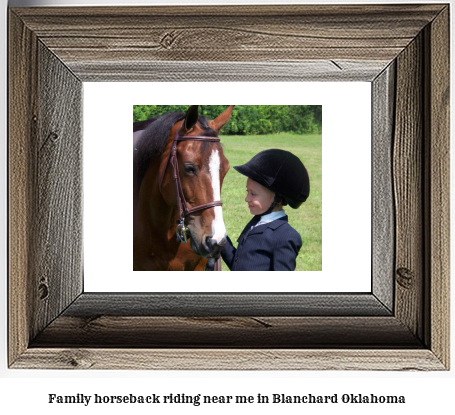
[213, 246]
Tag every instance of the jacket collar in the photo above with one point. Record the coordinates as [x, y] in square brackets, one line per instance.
[272, 216]
[261, 228]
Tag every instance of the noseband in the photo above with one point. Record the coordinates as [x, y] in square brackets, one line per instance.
[184, 210]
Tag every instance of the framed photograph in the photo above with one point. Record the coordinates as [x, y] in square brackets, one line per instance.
[400, 323]
[337, 103]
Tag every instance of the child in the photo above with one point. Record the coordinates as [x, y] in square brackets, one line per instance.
[276, 178]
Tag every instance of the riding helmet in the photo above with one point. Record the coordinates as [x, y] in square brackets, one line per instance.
[280, 171]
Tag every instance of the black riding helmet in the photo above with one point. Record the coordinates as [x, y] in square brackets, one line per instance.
[280, 171]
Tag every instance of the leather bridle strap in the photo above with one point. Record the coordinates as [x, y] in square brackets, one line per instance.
[172, 159]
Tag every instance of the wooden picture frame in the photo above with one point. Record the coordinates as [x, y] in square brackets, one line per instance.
[403, 324]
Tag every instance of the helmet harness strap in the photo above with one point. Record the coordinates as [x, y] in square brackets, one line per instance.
[276, 200]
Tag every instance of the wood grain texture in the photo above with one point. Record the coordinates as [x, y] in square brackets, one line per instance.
[437, 170]
[230, 359]
[204, 71]
[408, 187]
[402, 50]
[321, 34]
[383, 214]
[57, 250]
[258, 332]
[22, 96]
[45, 187]
[90, 305]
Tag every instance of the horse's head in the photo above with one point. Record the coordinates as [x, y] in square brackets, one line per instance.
[202, 167]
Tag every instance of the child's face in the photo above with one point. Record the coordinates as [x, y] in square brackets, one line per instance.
[258, 197]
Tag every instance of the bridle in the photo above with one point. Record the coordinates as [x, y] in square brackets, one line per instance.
[182, 205]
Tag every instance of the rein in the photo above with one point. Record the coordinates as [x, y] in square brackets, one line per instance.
[184, 210]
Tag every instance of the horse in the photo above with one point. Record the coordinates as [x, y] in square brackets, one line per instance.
[178, 170]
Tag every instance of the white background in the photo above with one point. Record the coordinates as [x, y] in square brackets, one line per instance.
[26, 390]
[346, 218]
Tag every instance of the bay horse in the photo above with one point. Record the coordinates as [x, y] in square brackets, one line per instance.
[178, 171]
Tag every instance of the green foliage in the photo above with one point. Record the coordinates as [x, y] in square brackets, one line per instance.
[249, 119]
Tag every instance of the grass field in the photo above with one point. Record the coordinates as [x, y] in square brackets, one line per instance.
[307, 220]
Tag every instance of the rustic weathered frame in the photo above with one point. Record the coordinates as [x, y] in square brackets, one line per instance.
[403, 50]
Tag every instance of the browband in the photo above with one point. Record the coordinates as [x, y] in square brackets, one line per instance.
[196, 138]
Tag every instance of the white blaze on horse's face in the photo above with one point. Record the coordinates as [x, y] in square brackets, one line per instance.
[218, 228]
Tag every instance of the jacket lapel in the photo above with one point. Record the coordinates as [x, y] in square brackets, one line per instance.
[251, 223]
[272, 225]
[261, 228]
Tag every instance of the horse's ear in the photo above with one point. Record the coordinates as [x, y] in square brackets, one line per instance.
[219, 122]
[191, 117]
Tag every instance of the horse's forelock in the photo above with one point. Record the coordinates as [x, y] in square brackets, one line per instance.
[209, 132]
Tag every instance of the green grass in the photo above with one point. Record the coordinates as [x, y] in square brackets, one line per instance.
[307, 220]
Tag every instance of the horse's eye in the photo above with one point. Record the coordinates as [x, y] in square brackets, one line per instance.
[189, 168]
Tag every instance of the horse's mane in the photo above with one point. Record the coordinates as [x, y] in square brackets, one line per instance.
[142, 125]
[153, 140]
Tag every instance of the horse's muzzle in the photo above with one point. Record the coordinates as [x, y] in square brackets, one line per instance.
[213, 247]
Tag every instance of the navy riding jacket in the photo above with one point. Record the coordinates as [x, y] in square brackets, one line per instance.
[272, 246]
